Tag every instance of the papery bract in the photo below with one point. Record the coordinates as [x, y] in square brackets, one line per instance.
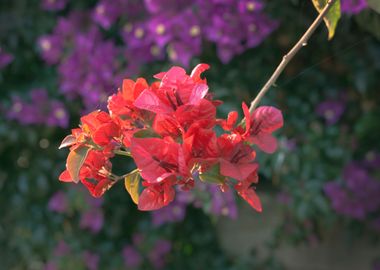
[157, 158]
[156, 196]
[262, 123]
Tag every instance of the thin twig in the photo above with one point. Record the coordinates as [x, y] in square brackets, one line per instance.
[117, 177]
[286, 59]
[122, 153]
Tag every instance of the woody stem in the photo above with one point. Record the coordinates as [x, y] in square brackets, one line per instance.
[122, 153]
[287, 57]
[120, 177]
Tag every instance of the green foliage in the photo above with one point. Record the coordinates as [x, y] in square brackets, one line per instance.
[131, 183]
[332, 17]
[212, 176]
[75, 161]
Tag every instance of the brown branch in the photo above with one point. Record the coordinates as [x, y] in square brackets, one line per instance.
[286, 59]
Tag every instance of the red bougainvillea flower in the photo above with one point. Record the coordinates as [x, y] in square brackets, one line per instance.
[264, 121]
[158, 159]
[259, 126]
[156, 196]
[122, 108]
[247, 191]
[199, 144]
[121, 105]
[180, 96]
[96, 128]
[93, 173]
[168, 128]
[237, 158]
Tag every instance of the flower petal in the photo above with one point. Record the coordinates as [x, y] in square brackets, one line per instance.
[197, 71]
[268, 118]
[65, 176]
[199, 91]
[148, 100]
[239, 171]
[266, 142]
[153, 198]
[250, 196]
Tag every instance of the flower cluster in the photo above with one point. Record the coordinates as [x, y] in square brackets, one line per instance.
[168, 128]
[62, 251]
[40, 110]
[156, 255]
[179, 27]
[358, 196]
[53, 5]
[331, 110]
[91, 213]
[5, 58]
[88, 63]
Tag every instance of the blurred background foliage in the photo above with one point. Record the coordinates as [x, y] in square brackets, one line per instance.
[324, 176]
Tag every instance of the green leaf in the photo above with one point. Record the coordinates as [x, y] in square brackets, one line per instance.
[374, 4]
[332, 17]
[68, 141]
[75, 161]
[131, 183]
[212, 176]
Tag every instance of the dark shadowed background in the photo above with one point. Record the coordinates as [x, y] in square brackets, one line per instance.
[321, 190]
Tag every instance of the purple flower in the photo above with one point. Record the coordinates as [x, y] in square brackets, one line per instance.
[68, 27]
[53, 5]
[58, 115]
[157, 255]
[250, 6]
[180, 53]
[50, 48]
[89, 66]
[222, 203]
[358, 195]
[257, 29]
[90, 69]
[91, 260]
[40, 110]
[107, 12]
[62, 249]
[92, 220]
[5, 58]
[331, 110]
[160, 29]
[353, 6]
[234, 28]
[186, 40]
[132, 257]
[174, 212]
[136, 34]
[58, 202]
[372, 160]
[159, 6]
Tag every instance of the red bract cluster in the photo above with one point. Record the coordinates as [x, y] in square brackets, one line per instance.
[168, 128]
